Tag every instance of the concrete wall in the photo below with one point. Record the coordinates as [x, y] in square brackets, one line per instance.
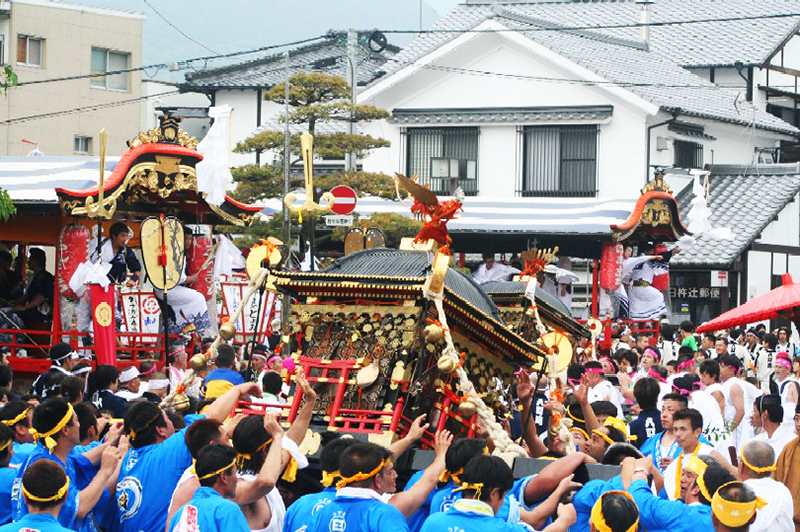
[69, 33]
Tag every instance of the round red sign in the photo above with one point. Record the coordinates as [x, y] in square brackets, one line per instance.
[345, 199]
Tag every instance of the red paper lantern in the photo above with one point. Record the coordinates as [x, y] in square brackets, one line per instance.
[73, 249]
[611, 265]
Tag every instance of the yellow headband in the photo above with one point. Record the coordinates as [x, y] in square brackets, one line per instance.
[599, 520]
[217, 472]
[575, 418]
[698, 467]
[447, 475]
[11, 422]
[734, 514]
[241, 457]
[134, 432]
[6, 445]
[754, 468]
[328, 478]
[358, 477]
[603, 437]
[49, 442]
[59, 494]
[585, 434]
[467, 486]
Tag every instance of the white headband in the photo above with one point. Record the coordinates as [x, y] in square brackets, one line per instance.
[157, 384]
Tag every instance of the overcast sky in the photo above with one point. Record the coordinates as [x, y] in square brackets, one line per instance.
[233, 25]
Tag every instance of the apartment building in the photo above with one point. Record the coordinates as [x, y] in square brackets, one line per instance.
[44, 40]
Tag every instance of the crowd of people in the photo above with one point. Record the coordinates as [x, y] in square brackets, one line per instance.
[703, 435]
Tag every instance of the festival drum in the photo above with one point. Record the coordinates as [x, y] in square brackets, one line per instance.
[195, 258]
[73, 249]
[611, 265]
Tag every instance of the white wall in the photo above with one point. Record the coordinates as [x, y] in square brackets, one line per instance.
[784, 231]
[734, 144]
[149, 117]
[621, 160]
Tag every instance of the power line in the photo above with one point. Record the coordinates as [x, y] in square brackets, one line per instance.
[176, 28]
[186, 63]
[95, 107]
[600, 27]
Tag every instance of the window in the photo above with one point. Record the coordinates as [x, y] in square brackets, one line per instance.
[688, 154]
[559, 161]
[29, 50]
[107, 61]
[82, 146]
[2, 50]
[444, 158]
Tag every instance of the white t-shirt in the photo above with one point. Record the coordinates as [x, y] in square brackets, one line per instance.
[780, 438]
[276, 506]
[672, 470]
[605, 391]
[776, 516]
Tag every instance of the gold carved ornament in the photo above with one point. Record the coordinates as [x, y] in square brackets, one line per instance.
[103, 314]
[656, 213]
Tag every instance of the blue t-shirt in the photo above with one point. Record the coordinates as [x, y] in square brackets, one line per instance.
[584, 500]
[355, 514]
[299, 513]
[645, 426]
[77, 467]
[652, 447]
[659, 515]
[21, 452]
[147, 478]
[208, 511]
[418, 518]
[7, 476]
[220, 381]
[468, 516]
[35, 523]
[509, 511]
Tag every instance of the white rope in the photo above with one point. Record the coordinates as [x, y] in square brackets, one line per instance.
[505, 447]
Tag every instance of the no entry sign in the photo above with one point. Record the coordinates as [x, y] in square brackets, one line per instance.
[345, 199]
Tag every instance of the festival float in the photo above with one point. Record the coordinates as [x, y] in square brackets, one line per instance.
[156, 176]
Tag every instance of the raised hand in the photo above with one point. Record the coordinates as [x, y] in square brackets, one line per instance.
[308, 392]
[417, 429]
[441, 442]
[272, 425]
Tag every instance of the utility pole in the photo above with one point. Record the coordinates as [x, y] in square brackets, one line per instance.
[352, 79]
[287, 233]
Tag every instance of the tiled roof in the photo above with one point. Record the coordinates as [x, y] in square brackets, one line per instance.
[723, 42]
[397, 263]
[518, 288]
[328, 55]
[651, 75]
[744, 199]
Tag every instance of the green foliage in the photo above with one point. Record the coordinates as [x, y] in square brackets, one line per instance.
[7, 207]
[256, 183]
[8, 78]
[394, 226]
[364, 183]
[314, 97]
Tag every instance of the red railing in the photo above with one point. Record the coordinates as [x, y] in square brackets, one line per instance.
[651, 328]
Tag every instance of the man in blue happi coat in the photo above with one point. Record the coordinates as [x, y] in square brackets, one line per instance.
[211, 509]
[45, 487]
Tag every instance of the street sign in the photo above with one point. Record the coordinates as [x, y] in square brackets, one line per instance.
[339, 221]
[345, 199]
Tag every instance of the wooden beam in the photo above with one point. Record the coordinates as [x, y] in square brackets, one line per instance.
[784, 70]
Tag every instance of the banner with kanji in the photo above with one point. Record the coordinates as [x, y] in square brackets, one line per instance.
[105, 331]
[140, 312]
[232, 295]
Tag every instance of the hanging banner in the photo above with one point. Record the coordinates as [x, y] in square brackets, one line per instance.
[140, 312]
[105, 330]
[232, 296]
